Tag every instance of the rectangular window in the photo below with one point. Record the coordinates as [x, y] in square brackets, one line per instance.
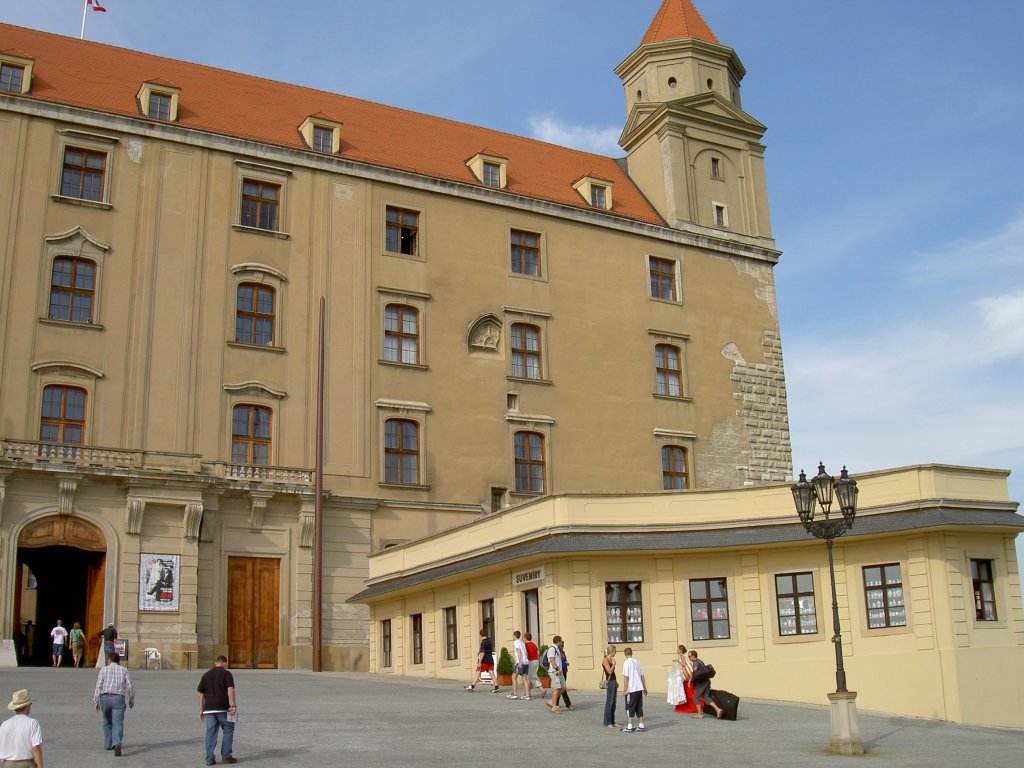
[716, 168]
[526, 353]
[159, 106]
[883, 595]
[624, 611]
[525, 253]
[323, 139]
[401, 231]
[451, 634]
[497, 499]
[674, 474]
[417, 638]
[401, 452]
[663, 279]
[721, 215]
[260, 201]
[794, 597]
[72, 289]
[254, 314]
[385, 643]
[668, 370]
[488, 623]
[984, 590]
[598, 196]
[82, 174]
[250, 435]
[492, 175]
[11, 77]
[401, 334]
[709, 609]
[63, 416]
[529, 449]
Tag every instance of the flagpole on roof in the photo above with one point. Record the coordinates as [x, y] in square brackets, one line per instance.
[85, 8]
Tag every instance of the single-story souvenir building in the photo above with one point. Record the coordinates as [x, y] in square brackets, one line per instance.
[927, 582]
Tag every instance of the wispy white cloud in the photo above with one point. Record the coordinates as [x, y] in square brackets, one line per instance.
[936, 378]
[596, 139]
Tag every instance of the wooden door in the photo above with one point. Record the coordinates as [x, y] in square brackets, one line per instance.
[253, 612]
[94, 607]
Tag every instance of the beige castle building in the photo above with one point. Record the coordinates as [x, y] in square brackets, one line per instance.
[506, 319]
[554, 391]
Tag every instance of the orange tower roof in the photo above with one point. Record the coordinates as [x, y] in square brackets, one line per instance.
[678, 19]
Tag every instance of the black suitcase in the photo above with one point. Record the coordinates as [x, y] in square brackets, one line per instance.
[728, 702]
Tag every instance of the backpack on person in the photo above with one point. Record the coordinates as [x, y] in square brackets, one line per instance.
[545, 661]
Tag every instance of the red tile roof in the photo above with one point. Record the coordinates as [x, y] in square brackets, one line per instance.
[677, 19]
[106, 78]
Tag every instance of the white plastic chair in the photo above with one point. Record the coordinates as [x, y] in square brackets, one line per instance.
[153, 654]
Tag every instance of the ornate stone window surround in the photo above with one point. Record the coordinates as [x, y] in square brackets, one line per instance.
[262, 274]
[79, 244]
[410, 411]
[418, 301]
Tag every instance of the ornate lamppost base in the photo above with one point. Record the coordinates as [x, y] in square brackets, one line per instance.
[845, 729]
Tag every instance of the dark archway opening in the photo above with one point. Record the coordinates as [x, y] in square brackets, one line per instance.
[61, 575]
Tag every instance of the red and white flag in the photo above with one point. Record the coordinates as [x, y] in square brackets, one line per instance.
[95, 5]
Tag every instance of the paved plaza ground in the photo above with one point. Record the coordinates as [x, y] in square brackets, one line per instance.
[329, 719]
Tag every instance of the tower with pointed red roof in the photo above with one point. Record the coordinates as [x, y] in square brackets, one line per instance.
[691, 148]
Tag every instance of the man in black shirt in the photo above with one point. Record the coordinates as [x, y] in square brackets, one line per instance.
[218, 708]
[109, 635]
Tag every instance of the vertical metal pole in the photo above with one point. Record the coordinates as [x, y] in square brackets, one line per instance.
[837, 638]
[318, 518]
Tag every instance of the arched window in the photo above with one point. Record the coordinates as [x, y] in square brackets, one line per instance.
[525, 346]
[72, 289]
[673, 468]
[63, 415]
[250, 435]
[254, 314]
[401, 334]
[529, 448]
[668, 370]
[401, 451]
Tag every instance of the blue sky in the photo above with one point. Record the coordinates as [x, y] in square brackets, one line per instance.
[894, 169]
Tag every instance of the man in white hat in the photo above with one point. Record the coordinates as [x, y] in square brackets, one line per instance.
[21, 739]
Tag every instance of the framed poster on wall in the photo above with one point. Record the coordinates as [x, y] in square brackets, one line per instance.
[121, 648]
[158, 582]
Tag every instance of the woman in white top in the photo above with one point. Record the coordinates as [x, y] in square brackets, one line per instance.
[686, 666]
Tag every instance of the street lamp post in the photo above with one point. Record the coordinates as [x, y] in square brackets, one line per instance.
[821, 491]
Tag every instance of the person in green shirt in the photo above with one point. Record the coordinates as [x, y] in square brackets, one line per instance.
[77, 639]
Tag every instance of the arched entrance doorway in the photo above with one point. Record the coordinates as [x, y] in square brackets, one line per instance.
[60, 569]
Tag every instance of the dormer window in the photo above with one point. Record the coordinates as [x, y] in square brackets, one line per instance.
[11, 77]
[323, 139]
[159, 106]
[321, 134]
[597, 192]
[15, 73]
[158, 100]
[490, 170]
[492, 175]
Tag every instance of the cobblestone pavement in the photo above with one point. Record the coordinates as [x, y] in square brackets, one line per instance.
[330, 719]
